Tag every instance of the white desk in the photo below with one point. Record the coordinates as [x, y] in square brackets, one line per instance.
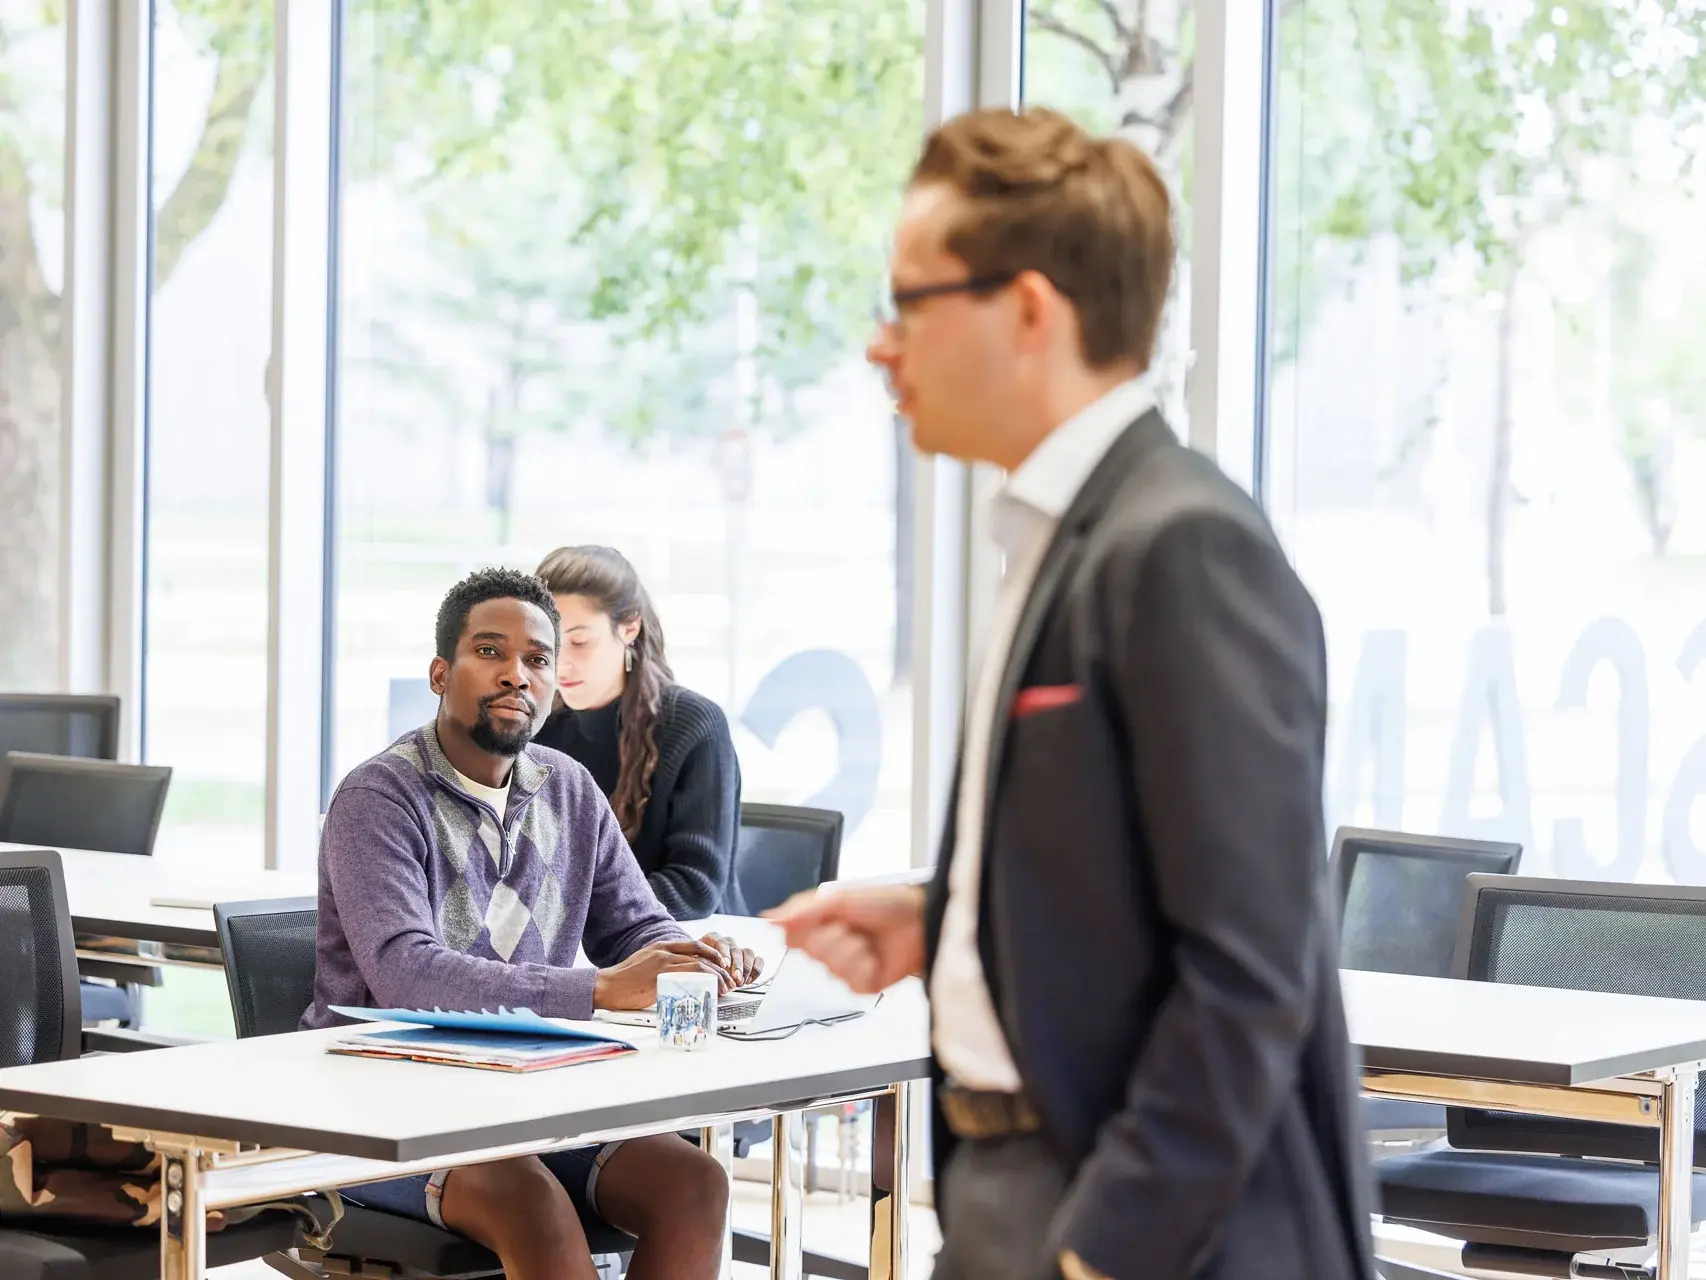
[111, 896]
[1577, 1054]
[245, 1121]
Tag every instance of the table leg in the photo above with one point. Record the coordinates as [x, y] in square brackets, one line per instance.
[891, 1126]
[847, 1152]
[811, 1122]
[717, 1141]
[787, 1199]
[1676, 1160]
[183, 1220]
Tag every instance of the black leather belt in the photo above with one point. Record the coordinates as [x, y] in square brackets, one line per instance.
[978, 1113]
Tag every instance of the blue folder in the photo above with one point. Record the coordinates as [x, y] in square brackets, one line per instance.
[514, 1021]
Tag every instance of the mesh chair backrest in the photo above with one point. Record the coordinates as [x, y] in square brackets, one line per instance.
[784, 850]
[269, 962]
[60, 724]
[40, 1012]
[81, 804]
[1401, 897]
[1647, 940]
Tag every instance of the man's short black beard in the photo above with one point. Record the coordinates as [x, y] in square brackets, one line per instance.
[507, 743]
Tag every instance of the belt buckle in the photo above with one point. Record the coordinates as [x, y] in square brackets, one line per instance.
[976, 1113]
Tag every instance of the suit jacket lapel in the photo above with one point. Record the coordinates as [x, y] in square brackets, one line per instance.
[1139, 440]
[1127, 453]
[1036, 612]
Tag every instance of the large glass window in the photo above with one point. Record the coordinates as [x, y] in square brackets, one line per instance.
[209, 333]
[1126, 67]
[32, 240]
[606, 276]
[1488, 447]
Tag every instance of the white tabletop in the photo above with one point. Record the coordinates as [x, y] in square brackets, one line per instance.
[116, 894]
[287, 1091]
[1524, 1035]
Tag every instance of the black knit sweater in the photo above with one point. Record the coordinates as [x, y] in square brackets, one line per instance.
[686, 840]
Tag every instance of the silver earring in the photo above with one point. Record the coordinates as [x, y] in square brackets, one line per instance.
[628, 658]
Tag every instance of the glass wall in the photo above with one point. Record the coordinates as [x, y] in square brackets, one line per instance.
[606, 277]
[210, 317]
[1127, 68]
[32, 269]
[1488, 447]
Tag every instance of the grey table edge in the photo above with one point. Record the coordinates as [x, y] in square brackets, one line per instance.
[146, 931]
[663, 1112]
[1523, 1071]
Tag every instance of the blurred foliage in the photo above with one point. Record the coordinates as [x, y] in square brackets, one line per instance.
[609, 181]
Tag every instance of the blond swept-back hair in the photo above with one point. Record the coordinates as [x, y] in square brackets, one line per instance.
[1090, 214]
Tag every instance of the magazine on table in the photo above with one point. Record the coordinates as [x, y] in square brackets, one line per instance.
[509, 1040]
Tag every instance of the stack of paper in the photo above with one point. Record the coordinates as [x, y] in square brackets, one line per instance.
[509, 1040]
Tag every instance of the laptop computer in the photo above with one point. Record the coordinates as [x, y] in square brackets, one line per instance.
[799, 992]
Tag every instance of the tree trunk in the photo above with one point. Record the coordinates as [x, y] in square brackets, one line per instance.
[1661, 531]
[30, 371]
[201, 191]
[1153, 91]
[29, 445]
[501, 446]
[905, 538]
[1499, 468]
[1650, 470]
[1155, 81]
[500, 483]
[29, 499]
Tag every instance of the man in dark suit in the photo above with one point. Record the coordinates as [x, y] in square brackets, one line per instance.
[1143, 1067]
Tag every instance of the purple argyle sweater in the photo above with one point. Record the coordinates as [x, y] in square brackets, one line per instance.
[425, 900]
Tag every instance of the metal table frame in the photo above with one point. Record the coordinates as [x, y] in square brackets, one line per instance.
[1662, 1100]
[201, 1174]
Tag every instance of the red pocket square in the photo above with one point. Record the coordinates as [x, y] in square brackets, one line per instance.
[1045, 697]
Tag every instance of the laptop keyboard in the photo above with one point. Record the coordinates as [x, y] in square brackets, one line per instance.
[734, 1010]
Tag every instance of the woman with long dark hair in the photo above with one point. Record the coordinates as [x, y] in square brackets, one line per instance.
[660, 752]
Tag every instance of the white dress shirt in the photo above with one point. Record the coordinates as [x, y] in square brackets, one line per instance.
[968, 1037]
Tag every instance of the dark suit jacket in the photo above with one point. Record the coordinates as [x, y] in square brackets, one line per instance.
[1154, 921]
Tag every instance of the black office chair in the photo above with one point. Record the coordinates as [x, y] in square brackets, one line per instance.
[81, 804]
[60, 724]
[85, 726]
[72, 803]
[269, 967]
[785, 849]
[41, 1021]
[1513, 1202]
[1400, 896]
[40, 1013]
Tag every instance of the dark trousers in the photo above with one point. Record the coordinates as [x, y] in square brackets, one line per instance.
[998, 1198]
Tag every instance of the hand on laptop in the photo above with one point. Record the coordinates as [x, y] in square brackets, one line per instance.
[633, 984]
[741, 963]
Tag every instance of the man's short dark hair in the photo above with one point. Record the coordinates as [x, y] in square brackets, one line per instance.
[491, 584]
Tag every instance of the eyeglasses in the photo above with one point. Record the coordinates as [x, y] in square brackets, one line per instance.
[889, 315]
